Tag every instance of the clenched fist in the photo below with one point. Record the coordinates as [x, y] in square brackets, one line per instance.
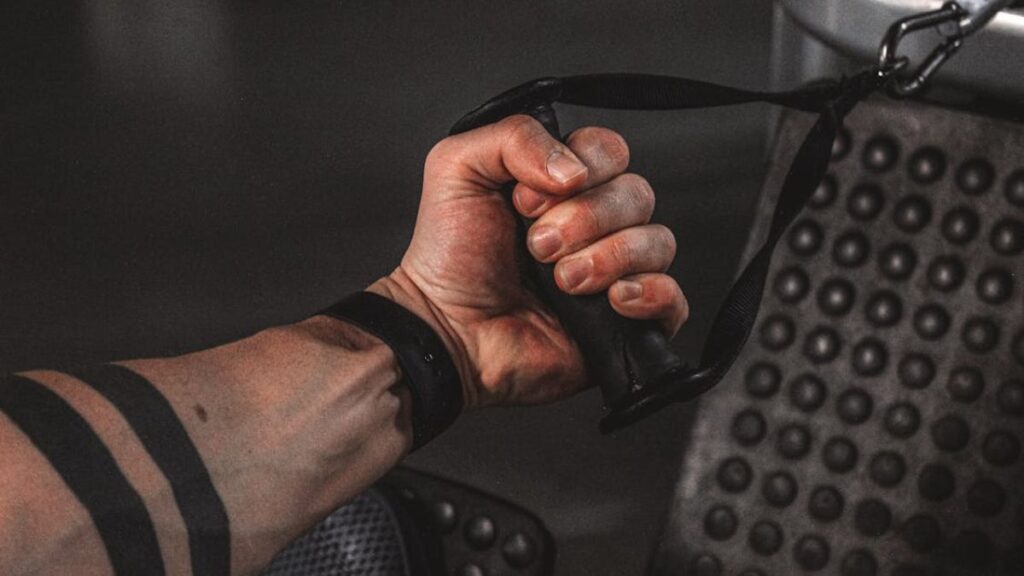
[460, 272]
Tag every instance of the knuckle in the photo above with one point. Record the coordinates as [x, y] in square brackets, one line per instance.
[602, 263]
[640, 192]
[442, 151]
[515, 123]
[623, 252]
[603, 268]
[522, 130]
[616, 148]
[612, 145]
[580, 135]
[660, 245]
[668, 304]
[678, 319]
[667, 296]
[684, 310]
[666, 238]
[587, 215]
[675, 305]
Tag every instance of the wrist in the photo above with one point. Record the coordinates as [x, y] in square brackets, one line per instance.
[295, 419]
[399, 288]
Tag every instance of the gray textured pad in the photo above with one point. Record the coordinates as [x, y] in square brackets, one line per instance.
[873, 424]
[458, 531]
[479, 534]
[361, 538]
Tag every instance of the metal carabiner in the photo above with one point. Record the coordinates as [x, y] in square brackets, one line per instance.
[962, 22]
[889, 62]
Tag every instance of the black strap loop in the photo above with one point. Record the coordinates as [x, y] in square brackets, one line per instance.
[652, 92]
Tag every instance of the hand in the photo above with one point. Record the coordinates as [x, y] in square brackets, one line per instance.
[460, 271]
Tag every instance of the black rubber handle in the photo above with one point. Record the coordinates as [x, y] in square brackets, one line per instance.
[622, 356]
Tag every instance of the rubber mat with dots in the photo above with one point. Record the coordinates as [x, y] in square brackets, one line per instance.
[873, 425]
[476, 533]
[415, 524]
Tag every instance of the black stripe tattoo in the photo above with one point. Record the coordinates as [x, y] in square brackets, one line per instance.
[90, 472]
[162, 434]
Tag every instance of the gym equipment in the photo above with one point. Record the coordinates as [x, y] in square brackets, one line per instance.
[415, 524]
[631, 361]
[875, 426]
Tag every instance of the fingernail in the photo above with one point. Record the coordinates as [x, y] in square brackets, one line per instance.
[544, 242]
[575, 272]
[629, 290]
[564, 167]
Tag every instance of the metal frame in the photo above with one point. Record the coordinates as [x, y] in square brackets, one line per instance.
[815, 38]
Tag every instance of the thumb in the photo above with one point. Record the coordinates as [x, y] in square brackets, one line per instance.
[517, 148]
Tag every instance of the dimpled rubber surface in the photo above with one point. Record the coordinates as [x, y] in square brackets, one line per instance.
[477, 534]
[361, 538]
[874, 422]
[416, 524]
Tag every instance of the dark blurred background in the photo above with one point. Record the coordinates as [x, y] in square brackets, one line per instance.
[179, 173]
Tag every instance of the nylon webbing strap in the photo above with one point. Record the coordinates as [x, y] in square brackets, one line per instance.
[165, 439]
[89, 470]
[653, 92]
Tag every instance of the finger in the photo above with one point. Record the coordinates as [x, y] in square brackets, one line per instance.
[603, 151]
[517, 148]
[626, 201]
[649, 248]
[651, 297]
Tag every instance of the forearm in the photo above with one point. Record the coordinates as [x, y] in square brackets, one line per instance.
[289, 423]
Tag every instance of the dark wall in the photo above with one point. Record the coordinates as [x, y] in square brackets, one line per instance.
[178, 174]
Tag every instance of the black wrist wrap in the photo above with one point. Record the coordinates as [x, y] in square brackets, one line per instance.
[427, 367]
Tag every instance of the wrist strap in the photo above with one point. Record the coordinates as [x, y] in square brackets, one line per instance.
[427, 368]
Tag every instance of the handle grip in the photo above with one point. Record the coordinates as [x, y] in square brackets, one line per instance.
[628, 359]
[631, 361]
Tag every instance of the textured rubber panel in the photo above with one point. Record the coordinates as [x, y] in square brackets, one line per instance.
[475, 533]
[415, 524]
[874, 422]
[362, 538]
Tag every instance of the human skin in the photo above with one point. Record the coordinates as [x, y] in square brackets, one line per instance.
[295, 420]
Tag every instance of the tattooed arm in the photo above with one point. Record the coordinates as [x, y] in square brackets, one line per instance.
[216, 460]
[289, 422]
